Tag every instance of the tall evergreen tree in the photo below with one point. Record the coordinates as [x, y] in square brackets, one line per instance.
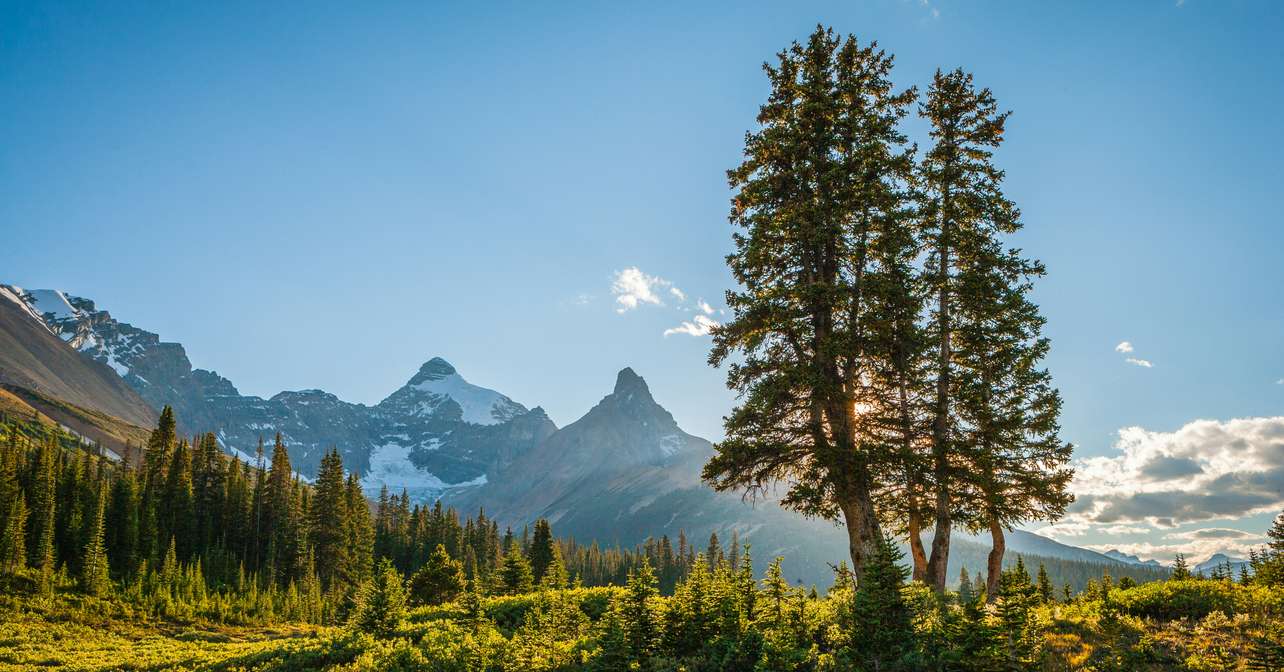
[440, 580]
[984, 331]
[822, 178]
[328, 519]
[13, 538]
[541, 550]
[884, 633]
[94, 570]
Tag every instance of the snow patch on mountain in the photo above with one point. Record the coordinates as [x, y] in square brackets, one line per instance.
[480, 405]
[390, 467]
[52, 302]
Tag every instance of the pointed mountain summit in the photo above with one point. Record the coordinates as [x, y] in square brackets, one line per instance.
[437, 389]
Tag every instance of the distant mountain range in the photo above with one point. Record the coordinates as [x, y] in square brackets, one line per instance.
[622, 472]
[1130, 559]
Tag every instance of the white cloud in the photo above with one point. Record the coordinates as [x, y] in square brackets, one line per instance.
[1124, 346]
[633, 288]
[1206, 470]
[708, 310]
[1144, 363]
[678, 293]
[698, 326]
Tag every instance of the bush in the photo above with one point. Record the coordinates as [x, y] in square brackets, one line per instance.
[1197, 598]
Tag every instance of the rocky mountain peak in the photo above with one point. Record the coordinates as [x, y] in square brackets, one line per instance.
[433, 369]
[629, 385]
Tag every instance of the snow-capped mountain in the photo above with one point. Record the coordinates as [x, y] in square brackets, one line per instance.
[436, 432]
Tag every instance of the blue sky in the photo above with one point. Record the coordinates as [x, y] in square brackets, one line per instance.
[329, 195]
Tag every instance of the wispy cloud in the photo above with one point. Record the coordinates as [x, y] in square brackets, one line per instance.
[1124, 346]
[1144, 363]
[699, 325]
[633, 288]
[708, 310]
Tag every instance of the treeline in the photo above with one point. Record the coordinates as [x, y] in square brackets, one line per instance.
[188, 530]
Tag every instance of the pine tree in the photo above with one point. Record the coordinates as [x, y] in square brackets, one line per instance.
[13, 538]
[328, 519]
[541, 549]
[639, 624]
[555, 573]
[1045, 585]
[1180, 569]
[156, 457]
[515, 574]
[966, 594]
[94, 572]
[822, 178]
[993, 407]
[176, 501]
[381, 605]
[879, 612]
[440, 580]
[44, 512]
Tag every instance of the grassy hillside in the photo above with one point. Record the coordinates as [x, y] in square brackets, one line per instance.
[38, 413]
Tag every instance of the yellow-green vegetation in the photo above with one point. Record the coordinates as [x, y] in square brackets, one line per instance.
[720, 618]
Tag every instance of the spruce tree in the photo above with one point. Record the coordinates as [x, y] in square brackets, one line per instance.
[1045, 585]
[1180, 569]
[541, 549]
[328, 519]
[381, 605]
[440, 580]
[13, 538]
[993, 410]
[885, 632]
[94, 572]
[515, 574]
[639, 625]
[823, 177]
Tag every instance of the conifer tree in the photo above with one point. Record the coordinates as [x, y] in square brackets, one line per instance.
[966, 594]
[94, 572]
[43, 515]
[381, 604]
[990, 399]
[775, 590]
[156, 457]
[176, 501]
[881, 617]
[360, 536]
[440, 580]
[515, 574]
[1180, 569]
[822, 178]
[555, 573]
[1045, 585]
[638, 622]
[328, 519]
[541, 549]
[13, 538]
[123, 522]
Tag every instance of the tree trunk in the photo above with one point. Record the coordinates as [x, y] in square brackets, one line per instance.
[995, 562]
[862, 530]
[936, 566]
[917, 554]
